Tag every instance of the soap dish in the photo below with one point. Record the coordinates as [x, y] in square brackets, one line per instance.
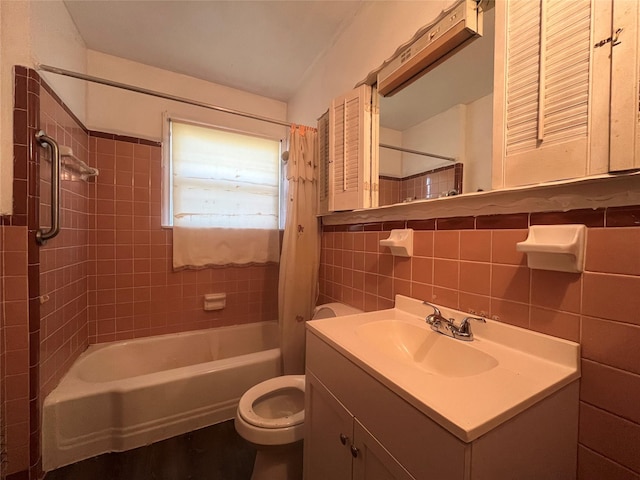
[555, 247]
[400, 242]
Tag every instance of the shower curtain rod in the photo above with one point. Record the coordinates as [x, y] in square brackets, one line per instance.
[153, 93]
[166, 96]
[416, 152]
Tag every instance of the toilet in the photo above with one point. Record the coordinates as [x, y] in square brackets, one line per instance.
[271, 416]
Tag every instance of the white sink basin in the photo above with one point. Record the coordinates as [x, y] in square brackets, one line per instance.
[467, 387]
[426, 349]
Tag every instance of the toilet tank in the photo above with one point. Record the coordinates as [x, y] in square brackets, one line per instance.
[329, 310]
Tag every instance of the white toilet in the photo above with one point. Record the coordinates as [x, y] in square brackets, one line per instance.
[271, 416]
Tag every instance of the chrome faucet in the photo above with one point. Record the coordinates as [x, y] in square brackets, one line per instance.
[448, 327]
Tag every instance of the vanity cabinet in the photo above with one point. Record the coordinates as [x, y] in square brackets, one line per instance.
[347, 406]
[391, 436]
[565, 91]
[338, 446]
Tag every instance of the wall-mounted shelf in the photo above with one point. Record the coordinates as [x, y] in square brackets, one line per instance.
[400, 242]
[555, 247]
[75, 165]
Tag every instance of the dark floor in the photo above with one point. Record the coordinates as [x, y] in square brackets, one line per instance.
[212, 453]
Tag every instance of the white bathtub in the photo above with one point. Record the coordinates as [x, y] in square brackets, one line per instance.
[123, 395]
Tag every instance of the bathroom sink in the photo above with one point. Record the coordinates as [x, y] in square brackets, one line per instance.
[425, 349]
[468, 387]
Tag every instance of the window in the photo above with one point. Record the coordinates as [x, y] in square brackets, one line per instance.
[221, 179]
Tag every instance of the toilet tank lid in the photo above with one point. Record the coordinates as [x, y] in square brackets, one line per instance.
[329, 310]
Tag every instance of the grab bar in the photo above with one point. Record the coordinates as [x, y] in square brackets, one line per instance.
[41, 235]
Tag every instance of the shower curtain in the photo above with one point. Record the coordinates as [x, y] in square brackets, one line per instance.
[300, 259]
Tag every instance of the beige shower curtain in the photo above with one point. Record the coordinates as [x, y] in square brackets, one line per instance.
[299, 262]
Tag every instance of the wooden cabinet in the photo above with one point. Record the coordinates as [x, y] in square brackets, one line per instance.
[394, 440]
[371, 460]
[348, 140]
[338, 446]
[566, 102]
[328, 434]
[566, 90]
[625, 86]
[346, 407]
[323, 164]
[551, 91]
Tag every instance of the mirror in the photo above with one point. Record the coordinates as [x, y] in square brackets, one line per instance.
[447, 112]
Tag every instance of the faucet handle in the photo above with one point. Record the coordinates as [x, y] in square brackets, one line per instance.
[436, 310]
[465, 324]
[435, 317]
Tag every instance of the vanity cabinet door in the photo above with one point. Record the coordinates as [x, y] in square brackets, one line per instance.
[328, 434]
[337, 446]
[551, 91]
[625, 86]
[371, 460]
[408, 437]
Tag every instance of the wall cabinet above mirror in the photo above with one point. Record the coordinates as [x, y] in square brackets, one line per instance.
[548, 92]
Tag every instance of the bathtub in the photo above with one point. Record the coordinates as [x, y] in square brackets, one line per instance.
[123, 395]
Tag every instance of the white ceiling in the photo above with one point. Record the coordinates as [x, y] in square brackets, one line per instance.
[264, 47]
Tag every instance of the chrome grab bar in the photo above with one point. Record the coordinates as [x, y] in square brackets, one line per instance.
[41, 235]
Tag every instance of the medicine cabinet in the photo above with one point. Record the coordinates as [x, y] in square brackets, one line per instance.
[565, 99]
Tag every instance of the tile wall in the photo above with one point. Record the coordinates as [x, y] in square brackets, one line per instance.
[64, 259]
[471, 264]
[430, 184]
[133, 290]
[107, 275]
[15, 349]
[20, 282]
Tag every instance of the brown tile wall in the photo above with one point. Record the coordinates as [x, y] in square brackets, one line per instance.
[133, 290]
[64, 259]
[15, 348]
[471, 264]
[431, 184]
[106, 276]
[20, 308]
[389, 190]
[3, 363]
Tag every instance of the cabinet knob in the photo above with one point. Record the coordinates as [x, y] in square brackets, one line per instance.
[343, 439]
[354, 451]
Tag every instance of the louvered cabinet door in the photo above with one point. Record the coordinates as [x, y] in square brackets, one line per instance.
[625, 86]
[350, 150]
[551, 91]
[323, 164]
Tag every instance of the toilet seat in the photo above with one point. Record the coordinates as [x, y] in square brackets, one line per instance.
[269, 387]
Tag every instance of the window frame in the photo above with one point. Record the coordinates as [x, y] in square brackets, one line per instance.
[166, 212]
